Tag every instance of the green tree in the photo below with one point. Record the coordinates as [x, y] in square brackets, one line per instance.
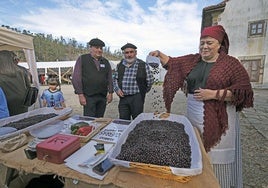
[49, 48]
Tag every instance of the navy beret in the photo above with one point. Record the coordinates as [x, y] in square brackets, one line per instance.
[96, 42]
[128, 45]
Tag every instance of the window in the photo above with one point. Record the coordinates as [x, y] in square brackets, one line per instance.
[254, 66]
[257, 28]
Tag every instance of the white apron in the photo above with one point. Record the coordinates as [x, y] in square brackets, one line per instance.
[223, 155]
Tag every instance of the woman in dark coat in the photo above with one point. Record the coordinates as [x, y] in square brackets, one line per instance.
[217, 87]
[14, 83]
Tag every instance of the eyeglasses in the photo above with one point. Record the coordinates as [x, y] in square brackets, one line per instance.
[129, 52]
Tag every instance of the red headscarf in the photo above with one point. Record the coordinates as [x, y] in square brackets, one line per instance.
[217, 32]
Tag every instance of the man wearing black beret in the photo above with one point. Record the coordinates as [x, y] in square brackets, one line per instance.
[96, 42]
[132, 80]
[128, 45]
[92, 80]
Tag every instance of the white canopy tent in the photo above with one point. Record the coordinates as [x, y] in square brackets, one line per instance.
[13, 41]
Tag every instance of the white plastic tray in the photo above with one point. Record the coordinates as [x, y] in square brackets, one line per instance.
[47, 130]
[46, 110]
[196, 162]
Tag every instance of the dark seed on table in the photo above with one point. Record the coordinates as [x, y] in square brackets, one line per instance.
[159, 142]
[26, 122]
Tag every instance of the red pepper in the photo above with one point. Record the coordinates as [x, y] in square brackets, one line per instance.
[84, 131]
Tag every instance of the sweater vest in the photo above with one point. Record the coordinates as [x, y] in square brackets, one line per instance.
[94, 81]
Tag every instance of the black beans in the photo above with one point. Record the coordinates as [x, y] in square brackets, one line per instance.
[157, 102]
[159, 142]
[26, 122]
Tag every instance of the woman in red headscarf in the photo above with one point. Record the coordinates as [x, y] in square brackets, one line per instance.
[217, 86]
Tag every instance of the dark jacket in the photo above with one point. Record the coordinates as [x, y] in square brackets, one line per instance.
[94, 81]
[15, 89]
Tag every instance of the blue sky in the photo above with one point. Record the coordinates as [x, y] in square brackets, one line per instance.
[172, 26]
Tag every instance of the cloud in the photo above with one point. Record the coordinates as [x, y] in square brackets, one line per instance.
[170, 26]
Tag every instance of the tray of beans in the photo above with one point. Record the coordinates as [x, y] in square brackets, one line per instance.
[160, 145]
[30, 120]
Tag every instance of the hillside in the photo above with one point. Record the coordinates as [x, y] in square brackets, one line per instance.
[50, 48]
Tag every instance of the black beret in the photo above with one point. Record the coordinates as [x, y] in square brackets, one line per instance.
[128, 45]
[96, 42]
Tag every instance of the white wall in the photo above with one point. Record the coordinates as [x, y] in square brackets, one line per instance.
[235, 19]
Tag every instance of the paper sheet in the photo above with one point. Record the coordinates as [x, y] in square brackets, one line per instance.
[110, 133]
[83, 154]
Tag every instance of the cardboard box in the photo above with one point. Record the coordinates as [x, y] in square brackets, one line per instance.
[57, 148]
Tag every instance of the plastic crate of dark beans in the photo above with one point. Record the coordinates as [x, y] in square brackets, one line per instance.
[26, 122]
[159, 142]
[32, 119]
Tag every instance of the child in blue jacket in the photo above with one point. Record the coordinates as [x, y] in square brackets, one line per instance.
[53, 97]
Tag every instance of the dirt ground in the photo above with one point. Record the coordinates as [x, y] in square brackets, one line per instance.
[253, 137]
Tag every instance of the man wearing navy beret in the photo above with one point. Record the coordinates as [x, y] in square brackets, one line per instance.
[92, 80]
[132, 80]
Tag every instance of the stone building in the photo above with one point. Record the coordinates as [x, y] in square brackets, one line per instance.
[245, 22]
